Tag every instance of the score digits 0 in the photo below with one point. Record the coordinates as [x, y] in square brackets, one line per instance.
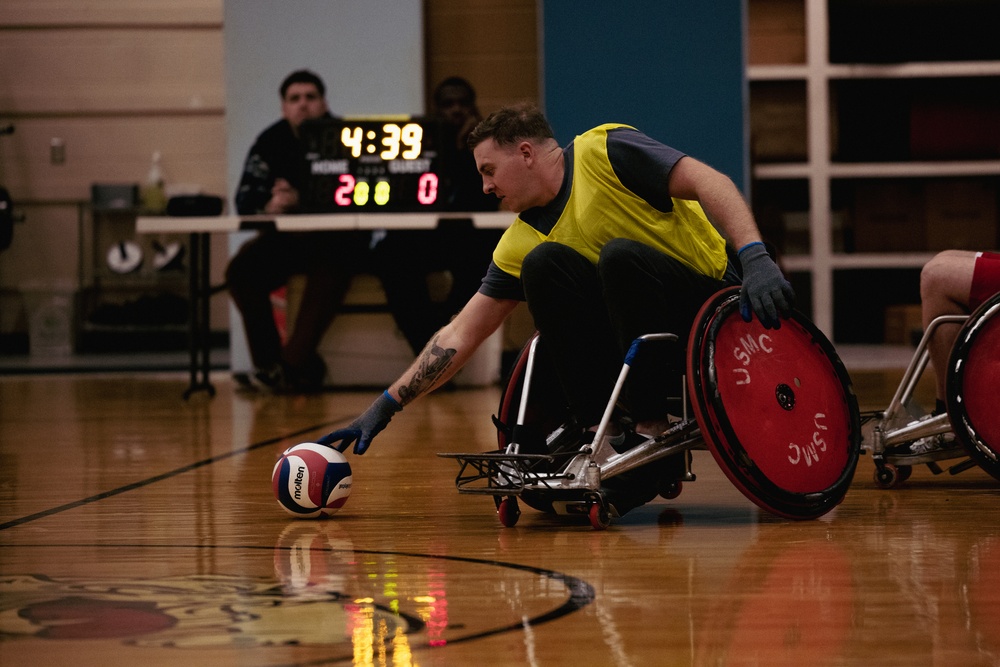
[373, 164]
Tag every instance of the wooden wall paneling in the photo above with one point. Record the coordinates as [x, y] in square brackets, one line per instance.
[495, 47]
[25, 13]
[111, 70]
[498, 81]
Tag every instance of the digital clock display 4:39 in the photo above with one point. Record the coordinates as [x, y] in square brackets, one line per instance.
[373, 164]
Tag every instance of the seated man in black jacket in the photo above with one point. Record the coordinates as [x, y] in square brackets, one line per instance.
[273, 176]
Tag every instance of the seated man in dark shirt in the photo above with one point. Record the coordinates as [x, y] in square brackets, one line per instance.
[273, 176]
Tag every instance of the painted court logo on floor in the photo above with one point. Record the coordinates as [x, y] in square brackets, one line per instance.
[188, 612]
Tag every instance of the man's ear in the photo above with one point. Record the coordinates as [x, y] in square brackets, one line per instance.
[527, 151]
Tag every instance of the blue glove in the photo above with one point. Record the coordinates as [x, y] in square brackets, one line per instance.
[765, 290]
[363, 429]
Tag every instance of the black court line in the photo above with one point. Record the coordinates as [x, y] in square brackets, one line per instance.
[581, 593]
[167, 475]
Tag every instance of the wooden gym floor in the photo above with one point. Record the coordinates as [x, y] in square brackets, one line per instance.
[139, 528]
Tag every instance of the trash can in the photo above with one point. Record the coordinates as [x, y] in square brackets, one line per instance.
[50, 315]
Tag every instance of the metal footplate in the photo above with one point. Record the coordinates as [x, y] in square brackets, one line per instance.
[499, 473]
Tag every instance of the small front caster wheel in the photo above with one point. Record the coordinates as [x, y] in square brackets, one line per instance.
[508, 512]
[672, 489]
[889, 476]
[600, 517]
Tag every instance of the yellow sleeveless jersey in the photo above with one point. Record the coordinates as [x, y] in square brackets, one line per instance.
[600, 208]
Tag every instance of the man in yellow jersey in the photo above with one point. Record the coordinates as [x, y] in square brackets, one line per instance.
[614, 238]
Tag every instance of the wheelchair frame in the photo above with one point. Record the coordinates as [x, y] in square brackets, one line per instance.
[507, 474]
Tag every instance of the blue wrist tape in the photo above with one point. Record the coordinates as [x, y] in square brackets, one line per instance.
[394, 401]
[740, 251]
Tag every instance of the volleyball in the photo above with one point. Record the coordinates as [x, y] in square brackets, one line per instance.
[311, 480]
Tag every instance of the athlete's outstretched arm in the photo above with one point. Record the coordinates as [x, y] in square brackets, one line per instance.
[448, 350]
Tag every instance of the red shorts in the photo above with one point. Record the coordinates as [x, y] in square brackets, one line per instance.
[985, 278]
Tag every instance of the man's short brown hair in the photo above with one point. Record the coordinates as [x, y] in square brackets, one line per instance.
[509, 125]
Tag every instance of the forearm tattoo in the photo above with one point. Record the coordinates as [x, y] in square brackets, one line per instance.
[433, 362]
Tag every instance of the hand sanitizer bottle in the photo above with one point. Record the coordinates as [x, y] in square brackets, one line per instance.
[153, 196]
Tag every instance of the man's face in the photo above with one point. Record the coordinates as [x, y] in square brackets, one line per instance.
[455, 105]
[506, 174]
[302, 102]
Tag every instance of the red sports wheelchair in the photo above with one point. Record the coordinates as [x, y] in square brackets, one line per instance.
[972, 422]
[774, 407]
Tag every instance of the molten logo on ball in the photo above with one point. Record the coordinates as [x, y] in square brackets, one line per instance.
[311, 480]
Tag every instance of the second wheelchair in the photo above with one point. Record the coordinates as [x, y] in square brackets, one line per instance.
[902, 436]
